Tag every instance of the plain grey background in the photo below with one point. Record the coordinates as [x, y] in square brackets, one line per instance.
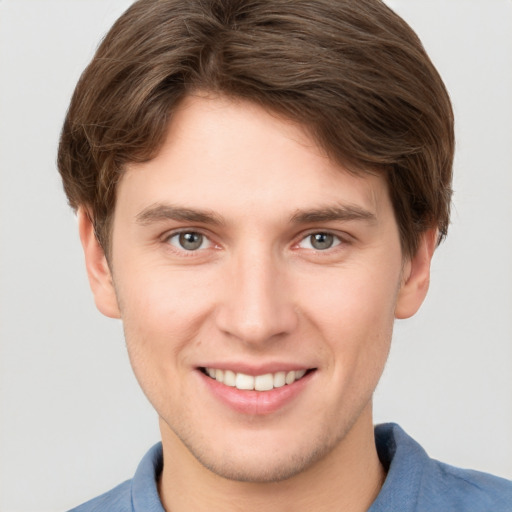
[73, 421]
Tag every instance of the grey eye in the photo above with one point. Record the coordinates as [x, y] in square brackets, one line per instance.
[321, 241]
[189, 241]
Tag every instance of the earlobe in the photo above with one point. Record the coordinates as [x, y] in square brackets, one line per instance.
[98, 271]
[416, 277]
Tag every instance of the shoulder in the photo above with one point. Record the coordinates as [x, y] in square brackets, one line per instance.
[140, 494]
[447, 485]
[415, 482]
[117, 499]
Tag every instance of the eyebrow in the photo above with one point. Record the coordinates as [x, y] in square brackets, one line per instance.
[160, 212]
[334, 213]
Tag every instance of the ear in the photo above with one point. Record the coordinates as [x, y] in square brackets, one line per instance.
[98, 271]
[416, 276]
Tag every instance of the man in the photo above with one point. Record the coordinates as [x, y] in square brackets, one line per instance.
[260, 188]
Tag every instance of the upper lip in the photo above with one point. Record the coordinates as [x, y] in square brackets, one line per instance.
[256, 369]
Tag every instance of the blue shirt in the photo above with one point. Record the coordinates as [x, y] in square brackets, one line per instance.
[414, 483]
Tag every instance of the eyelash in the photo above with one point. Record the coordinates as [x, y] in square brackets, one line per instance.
[337, 240]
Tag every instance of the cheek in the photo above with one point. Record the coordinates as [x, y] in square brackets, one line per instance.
[351, 298]
[161, 325]
[162, 315]
[161, 298]
[354, 313]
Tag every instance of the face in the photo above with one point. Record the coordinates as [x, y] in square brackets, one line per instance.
[258, 283]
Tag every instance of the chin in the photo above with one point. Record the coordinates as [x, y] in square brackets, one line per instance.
[262, 462]
[263, 470]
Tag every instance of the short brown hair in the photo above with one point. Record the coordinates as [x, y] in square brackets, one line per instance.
[352, 72]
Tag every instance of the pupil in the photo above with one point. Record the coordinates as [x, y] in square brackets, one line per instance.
[321, 240]
[191, 241]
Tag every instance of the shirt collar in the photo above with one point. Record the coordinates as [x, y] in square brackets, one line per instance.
[405, 462]
[403, 458]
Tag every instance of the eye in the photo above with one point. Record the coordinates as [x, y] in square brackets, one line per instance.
[189, 241]
[319, 241]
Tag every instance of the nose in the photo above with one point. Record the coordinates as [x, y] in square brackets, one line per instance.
[257, 304]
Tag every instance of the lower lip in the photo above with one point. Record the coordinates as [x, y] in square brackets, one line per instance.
[256, 402]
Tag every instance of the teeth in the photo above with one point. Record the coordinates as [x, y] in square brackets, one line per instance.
[279, 379]
[229, 378]
[290, 377]
[299, 374]
[243, 381]
[264, 382]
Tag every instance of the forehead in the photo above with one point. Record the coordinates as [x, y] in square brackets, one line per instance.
[236, 158]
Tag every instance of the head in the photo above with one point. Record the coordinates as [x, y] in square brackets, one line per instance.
[350, 72]
[261, 185]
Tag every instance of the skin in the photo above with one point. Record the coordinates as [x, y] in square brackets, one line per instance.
[257, 292]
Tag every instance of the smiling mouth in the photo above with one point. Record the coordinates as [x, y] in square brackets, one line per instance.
[245, 382]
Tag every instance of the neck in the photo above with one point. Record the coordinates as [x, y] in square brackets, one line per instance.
[348, 478]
